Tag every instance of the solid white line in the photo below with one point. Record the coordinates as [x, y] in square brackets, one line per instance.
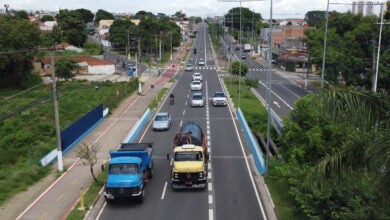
[164, 190]
[101, 211]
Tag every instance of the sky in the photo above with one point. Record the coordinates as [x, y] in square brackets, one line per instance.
[202, 8]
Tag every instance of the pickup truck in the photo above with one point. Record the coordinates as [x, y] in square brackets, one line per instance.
[189, 158]
[130, 167]
[219, 99]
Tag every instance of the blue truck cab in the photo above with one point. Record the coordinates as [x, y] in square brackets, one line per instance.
[130, 167]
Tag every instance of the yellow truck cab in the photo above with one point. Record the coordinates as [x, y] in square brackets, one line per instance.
[189, 167]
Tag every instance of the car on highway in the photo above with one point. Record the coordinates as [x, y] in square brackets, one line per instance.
[197, 99]
[189, 67]
[162, 121]
[201, 62]
[219, 99]
[238, 48]
[196, 85]
[243, 57]
[197, 76]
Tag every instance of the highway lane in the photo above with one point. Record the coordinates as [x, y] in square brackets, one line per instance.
[230, 193]
[283, 92]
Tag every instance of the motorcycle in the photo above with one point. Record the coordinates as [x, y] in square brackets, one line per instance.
[171, 100]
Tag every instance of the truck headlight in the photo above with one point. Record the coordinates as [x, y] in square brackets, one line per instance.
[175, 175]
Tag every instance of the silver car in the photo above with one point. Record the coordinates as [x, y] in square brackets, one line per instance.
[197, 99]
[189, 67]
[201, 62]
[197, 76]
[196, 85]
[162, 121]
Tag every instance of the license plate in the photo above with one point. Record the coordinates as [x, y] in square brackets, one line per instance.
[188, 183]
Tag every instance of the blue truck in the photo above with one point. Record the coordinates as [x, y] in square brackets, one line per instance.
[130, 167]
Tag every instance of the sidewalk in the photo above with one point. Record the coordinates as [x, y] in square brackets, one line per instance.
[54, 197]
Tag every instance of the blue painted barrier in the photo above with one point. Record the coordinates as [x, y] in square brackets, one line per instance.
[253, 145]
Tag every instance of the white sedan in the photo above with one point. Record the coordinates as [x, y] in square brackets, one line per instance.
[196, 85]
[197, 99]
[197, 76]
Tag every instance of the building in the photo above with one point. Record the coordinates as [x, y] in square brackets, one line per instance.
[364, 8]
[88, 65]
[286, 41]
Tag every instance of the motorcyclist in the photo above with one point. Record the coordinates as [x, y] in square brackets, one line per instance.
[171, 98]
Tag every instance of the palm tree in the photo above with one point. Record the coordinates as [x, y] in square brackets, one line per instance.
[368, 114]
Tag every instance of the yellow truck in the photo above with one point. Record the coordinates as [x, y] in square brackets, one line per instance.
[189, 158]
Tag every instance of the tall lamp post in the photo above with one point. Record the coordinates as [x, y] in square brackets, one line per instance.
[239, 41]
[324, 49]
[375, 78]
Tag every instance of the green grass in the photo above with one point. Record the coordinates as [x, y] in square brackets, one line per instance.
[255, 113]
[27, 128]
[157, 99]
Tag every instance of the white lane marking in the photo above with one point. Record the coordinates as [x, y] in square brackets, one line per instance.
[277, 104]
[164, 190]
[209, 176]
[291, 108]
[184, 112]
[210, 199]
[211, 214]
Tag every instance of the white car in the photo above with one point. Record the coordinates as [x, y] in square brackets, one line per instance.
[162, 121]
[197, 76]
[219, 98]
[201, 62]
[196, 85]
[197, 99]
[189, 67]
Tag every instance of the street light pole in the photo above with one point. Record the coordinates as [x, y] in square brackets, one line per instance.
[239, 41]
[56, 113]
[375, 80]
[269, 87]
[324, 49]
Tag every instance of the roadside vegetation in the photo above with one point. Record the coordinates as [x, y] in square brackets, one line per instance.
[27, 125]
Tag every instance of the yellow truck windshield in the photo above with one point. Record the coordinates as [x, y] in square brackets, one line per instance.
[188, 156]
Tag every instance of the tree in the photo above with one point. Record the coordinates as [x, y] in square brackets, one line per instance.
[64, 68]
[349, 49]
[88, 155]
[103, 15]
[21, 15]
[47, 18]
[235, 70]
[315, 18]
[335, 152]
[247, 18]
[85, 15]
[18, 38]
[72, 27]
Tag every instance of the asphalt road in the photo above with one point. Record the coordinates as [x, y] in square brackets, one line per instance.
[284, 93]
[231, 192]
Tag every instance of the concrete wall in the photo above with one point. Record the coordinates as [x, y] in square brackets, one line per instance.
[101, 69]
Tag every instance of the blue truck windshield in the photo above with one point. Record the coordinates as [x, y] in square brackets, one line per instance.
[123, 169]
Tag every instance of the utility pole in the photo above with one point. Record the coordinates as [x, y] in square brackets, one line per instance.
[56, 114]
